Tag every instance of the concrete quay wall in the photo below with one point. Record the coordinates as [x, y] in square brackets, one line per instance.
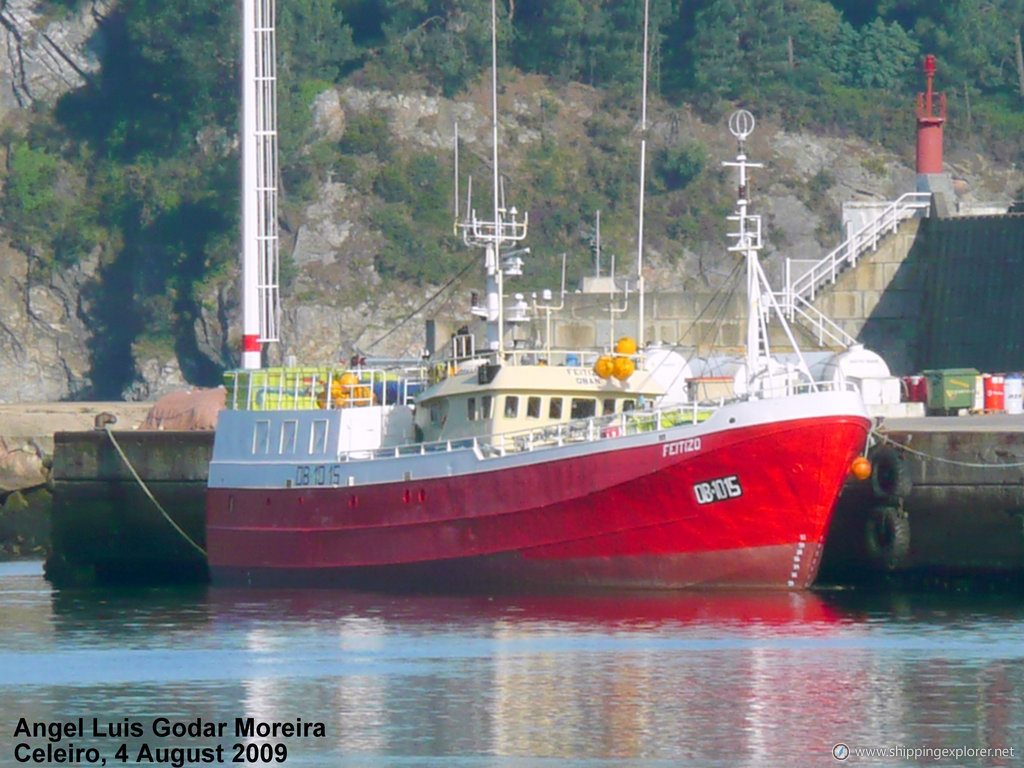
[105, 526]
[952, 502]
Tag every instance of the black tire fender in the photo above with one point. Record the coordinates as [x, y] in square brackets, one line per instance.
[887, 537]
[890, 475]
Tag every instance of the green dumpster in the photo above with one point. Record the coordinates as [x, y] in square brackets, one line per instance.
[950, 389]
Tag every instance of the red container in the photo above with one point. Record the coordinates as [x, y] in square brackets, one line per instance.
[915, 389]
[993, 386]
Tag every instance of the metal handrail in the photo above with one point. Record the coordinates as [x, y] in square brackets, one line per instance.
[866, 237]
[587, 430]
[821, 323]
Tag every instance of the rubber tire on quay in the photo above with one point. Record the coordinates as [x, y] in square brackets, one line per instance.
[890, 475]
[887, 537]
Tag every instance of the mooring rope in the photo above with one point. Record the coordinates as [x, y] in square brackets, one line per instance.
[148, 493]
[973, 465]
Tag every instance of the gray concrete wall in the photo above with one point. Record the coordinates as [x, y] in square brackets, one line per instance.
[974, 312]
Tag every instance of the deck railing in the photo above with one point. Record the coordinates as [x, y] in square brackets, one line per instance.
[319, 387]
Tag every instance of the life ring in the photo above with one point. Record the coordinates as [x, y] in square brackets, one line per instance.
[887, 537]
[890, 475]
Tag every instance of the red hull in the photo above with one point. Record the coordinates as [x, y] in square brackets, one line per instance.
[632, 517]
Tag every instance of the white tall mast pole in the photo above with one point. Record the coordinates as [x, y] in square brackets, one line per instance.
[496, 256]
[250, 220]
[643, 173]
[492, 234]
[260, 292]
[748, 236]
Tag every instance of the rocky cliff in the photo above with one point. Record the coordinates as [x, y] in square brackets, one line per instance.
[45, 56]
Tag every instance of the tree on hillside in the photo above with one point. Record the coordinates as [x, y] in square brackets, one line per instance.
[886, 57]
[738, 45]
[978, 40]
[597, 42]
[446, 41]
[314, 42]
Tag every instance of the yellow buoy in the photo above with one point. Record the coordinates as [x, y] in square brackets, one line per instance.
[622, 368]
[861, 468]
[604, 367]
[625, 346]
[349, 379]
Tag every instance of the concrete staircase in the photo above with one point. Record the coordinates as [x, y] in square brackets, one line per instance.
[803, 283]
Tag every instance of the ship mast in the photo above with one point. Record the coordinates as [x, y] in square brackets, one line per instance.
[503, 228]
[748, 236]
[494, 251]
[760, 299]
[643, 169]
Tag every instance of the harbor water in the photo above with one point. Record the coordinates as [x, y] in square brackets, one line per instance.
[206, 676]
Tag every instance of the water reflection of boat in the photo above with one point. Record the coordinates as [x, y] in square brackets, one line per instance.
[658, 676]
[626, 611]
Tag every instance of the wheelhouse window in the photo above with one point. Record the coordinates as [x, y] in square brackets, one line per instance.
[471, 409]
[582, 408]
[486, 407]
[261, 437]
[607, 406]
[289, 429]
[628, 405]
[318, 437]
[511, 406]
[555, 408]
[533, 407]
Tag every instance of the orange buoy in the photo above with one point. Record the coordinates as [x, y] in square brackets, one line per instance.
[861, 468]
[625, 346]
[604, 367]
[622, 368]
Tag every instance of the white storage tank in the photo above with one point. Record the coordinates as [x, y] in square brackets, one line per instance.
[867, 371]
[669, 369]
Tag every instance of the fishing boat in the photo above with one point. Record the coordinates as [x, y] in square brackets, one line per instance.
[527, 466]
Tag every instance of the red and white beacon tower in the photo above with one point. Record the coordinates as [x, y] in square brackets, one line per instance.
[929, 126]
